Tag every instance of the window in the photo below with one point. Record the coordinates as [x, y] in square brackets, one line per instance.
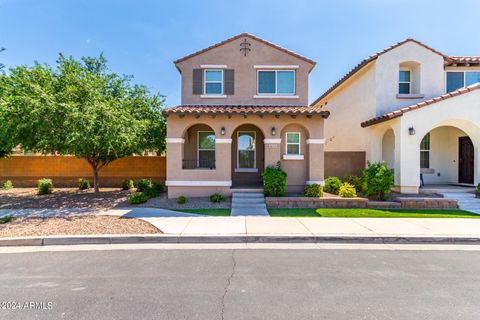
[425, 152]
[214, 82]
[206, 149]
[404, 82]
[457, 80]
[278, 82]
[293, 142]
[246, 149]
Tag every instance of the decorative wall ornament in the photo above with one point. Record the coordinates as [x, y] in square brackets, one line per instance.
[245, 47]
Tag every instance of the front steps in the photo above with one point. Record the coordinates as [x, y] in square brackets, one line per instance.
[248, 204]
[466, 200]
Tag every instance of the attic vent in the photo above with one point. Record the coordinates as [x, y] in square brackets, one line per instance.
[245, 47]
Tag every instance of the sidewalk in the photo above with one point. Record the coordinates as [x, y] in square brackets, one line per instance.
[185, 224]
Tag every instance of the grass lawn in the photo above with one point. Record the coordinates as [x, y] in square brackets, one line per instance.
[208, 212]
[372, 213]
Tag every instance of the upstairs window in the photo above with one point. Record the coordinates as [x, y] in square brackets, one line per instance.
[404, 82]
[214, 82]
[293, 142]
[457, 80]
[276, 82]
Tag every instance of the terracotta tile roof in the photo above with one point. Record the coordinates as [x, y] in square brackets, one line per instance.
[245, 34]
[400, 112]
[465, 59]
[245, 109]
[371, 58]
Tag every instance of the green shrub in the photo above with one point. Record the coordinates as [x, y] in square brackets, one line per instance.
[332, 185]
[478, 187]
[377, 180]
[83, 184]
[158, 187]
[137, 198]
[144, 184]
[7, 184]
[354, 181]
[45, 186]
[6, 219]
[274, 181]
[216, 197]
[313, 190]
[181, 200]
[127, 184]
[151, 192]
[347, 191]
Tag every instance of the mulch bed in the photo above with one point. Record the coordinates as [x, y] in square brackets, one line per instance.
[85, 225]
[27, 198]
[192, 203]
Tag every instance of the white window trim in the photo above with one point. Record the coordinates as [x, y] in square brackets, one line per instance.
[198, 146]
[276, 95]
[212, 95]
[254, 150]
[276, 66]
[280, 96]
[213, 66]
[299, 143]
[196, 183]
[409, 82]
[293, 157]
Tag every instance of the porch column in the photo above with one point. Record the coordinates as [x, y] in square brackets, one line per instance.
[223, 158]
[272, 151]
[407, 160]
[174, 157]
[316, 161]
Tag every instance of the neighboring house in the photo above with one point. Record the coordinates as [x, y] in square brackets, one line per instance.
[244, 107]
[411, 106]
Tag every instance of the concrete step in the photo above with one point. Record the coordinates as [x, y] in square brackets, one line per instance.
[247, 195]
[250, 206]
[249, 212]
[241, 201]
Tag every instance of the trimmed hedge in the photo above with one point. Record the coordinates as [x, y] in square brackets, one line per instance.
[313, 191]
[274, 181]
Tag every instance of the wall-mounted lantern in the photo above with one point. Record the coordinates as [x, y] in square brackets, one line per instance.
[222, 131]
[274, 132]
[411, 131]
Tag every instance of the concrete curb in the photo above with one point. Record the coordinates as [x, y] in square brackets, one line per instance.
[211, 239]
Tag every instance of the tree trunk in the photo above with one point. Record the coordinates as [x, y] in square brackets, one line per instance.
[95, 177]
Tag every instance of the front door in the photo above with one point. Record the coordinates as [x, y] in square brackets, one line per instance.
[465, 160]
[247, 157]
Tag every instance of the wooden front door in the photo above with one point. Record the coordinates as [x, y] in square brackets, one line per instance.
[465, 160]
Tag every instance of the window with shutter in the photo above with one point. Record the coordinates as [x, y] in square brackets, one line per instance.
[229, 81]
[197, 81]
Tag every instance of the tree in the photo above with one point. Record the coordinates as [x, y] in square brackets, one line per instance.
[80, 108]
[1, 64]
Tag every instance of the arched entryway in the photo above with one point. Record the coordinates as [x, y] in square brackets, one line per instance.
[447, 156]
[199, 147]
[248, 156]
[388, 148]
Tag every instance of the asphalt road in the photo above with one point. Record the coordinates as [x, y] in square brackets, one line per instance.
[241, 284]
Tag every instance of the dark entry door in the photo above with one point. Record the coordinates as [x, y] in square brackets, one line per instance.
[465, 160]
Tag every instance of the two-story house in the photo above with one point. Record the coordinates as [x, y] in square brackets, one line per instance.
[411, 106]
[244, 107]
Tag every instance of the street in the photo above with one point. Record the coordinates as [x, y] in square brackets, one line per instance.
[241, 284]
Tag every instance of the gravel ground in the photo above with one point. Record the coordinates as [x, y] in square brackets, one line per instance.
[61, 198]
[192, 203]
[25, 227]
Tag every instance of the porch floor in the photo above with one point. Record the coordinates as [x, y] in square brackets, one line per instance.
[447, 188]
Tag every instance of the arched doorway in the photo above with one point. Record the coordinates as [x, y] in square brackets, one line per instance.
[388, 148]
[247, 156]
[447, 156]
[199, 148]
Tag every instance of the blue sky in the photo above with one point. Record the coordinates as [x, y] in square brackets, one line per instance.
[142, 38]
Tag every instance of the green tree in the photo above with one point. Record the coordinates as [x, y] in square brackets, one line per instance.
[1, 64]
[80, 108]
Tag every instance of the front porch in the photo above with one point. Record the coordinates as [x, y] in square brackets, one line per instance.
[227, 150]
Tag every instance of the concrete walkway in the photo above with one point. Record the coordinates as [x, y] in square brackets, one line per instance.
[248, 204]
[466, 200]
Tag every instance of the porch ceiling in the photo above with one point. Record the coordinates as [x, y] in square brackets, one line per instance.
[245, 110]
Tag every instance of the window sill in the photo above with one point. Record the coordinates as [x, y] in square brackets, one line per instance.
[213, 96]
[410, 96]
[427, 170]
[274, 97]
[254, 170]
[293, 157]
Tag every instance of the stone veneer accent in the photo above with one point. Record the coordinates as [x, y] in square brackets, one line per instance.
[428, 203]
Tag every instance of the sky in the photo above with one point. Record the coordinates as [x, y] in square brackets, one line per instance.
[143, 37]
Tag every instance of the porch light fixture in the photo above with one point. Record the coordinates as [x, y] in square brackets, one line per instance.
[411, 131]
[274, 132]
[222, 131]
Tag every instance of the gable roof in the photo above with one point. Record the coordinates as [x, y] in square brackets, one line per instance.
[241, 35]
[373, 57]
[400, 112]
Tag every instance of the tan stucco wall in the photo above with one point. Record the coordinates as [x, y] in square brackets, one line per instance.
[230, 55]
[306, 170]
[297, 169]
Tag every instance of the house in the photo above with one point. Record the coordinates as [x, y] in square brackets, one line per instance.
[411, 106]
[244, 107]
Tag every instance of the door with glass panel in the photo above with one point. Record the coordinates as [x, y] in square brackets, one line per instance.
[246, 150]
[247, 157]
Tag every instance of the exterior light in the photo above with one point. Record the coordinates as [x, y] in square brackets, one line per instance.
[274, 132]
[411, 131]
[222, 131]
